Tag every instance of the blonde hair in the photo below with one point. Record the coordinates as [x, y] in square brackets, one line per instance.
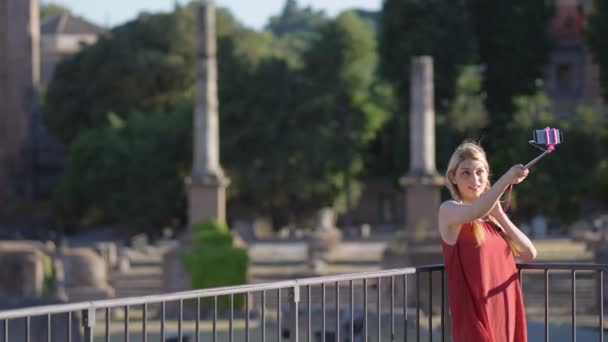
[473, 151]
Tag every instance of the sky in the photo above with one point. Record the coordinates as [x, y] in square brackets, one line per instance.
[252, 13]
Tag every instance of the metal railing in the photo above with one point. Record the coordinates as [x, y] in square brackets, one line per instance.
[297, 320]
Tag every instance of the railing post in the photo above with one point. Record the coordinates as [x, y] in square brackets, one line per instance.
[294, 300]
[88, 323]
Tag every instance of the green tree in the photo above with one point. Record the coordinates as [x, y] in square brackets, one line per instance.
[467, 113]
[409, 28]
[146, 65]
[513, 43]
[296, 19]
[142, 66]
[131, 172]
[275, 117]
[303, 116]
[296, 28]
[49, 9]
[347, 100]
[596, 37]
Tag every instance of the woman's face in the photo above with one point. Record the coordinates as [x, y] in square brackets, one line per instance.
[471, 179]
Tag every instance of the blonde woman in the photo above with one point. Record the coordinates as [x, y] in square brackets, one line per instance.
[479, 243]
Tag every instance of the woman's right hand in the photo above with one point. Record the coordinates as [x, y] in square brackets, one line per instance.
[517, 174]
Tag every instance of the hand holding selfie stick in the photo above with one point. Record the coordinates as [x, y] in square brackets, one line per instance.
[549, 137]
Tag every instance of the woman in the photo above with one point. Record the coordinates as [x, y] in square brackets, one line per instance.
[479, 243]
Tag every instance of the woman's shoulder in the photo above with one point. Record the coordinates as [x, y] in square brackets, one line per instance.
[447, 205]
[450, 202]
[448, 208]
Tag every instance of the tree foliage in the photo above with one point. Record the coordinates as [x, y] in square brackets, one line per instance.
[564, 184]
[513, 44]
[317, 119]
[294, 19]
[409, 28]
[214, 261]
[279, 122]
[596, 37]
[146, 65]
[344, 94]
[467, 113]
[132, 175]
[49, 9]
[295, 28]
[301, 123]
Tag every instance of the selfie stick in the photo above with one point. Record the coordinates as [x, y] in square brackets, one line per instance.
[537, 159]
[551, 139]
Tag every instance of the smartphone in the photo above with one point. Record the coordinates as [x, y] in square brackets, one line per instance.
[548, 136]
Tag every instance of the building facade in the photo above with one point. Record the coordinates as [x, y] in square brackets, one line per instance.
[572, 78]
[61, 36]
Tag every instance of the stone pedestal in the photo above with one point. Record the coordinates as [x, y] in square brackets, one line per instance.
[422, 201]
[175, 277]
[207, 199]
[419, 243]
[322, 240]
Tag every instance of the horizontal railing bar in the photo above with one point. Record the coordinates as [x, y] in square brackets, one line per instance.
[43, 310]
[562, 266]
[202, 293]
[192, 294]
[429, 268]
[247, 288]
[355, 276]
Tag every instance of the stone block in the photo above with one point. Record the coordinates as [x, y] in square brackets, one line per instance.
[21, 269]
[84, 268]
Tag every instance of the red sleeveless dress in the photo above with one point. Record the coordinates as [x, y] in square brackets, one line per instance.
[484, 293]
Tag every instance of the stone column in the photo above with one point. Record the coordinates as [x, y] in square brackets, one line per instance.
[422, 184]
[422, 118]
[207, 183]
[419, 243]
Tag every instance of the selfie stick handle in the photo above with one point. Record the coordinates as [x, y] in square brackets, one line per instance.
[537, 159]
[529, 165]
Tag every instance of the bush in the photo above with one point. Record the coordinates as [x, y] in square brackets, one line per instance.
[213, 261]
